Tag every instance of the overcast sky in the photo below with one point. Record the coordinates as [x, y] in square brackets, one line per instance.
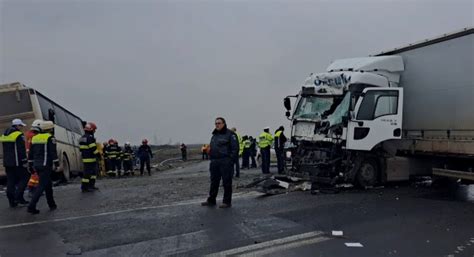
[139, 68]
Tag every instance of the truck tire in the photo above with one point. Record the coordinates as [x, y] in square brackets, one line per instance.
[368, 173]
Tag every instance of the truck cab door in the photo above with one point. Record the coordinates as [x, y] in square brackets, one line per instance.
[378, 117]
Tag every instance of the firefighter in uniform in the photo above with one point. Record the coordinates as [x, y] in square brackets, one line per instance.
[128, 157]
[265, 141]
[112, 154]
[90, 155]
[41, 158]
[14, 161]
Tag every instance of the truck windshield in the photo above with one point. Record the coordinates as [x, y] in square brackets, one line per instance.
[341, 110]
[313, 107]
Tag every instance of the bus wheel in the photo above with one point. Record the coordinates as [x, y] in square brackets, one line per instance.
[367, 174]
[66, 169]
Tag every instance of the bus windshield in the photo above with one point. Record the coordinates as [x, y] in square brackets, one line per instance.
[15, 102]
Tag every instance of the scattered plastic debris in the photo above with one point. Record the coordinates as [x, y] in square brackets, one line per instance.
[354, 245]
[337, 233]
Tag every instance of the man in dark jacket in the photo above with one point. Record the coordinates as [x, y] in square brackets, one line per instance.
[42, 156]
[145, 154]
[280, 140]
[224, 150]
[14, 161]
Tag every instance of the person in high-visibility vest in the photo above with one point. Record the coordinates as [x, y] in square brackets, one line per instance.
[128, 156]
[280, 140]
[90, 156]
[265, 141]
[14, 161]
[33, 182]
[241, 149]
[42, 156]
[246, 152]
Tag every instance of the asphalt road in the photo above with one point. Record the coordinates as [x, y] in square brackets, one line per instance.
[161, 215]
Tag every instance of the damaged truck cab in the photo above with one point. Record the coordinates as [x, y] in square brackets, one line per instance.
[403, 112]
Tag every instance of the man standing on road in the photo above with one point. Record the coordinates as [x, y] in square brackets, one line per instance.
[127, 159]
[246, 152]
[265, 141]
[253, 151]
[145, 154]
[14, 161]
[241, 149]
[224, 150]
[280, 140]
[42, 156]
[90, 155]
[184, 152]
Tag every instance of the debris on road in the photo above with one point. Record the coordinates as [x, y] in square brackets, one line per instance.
[337, 233]
[354, 245]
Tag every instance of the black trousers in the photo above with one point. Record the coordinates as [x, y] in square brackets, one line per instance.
[221, 169]
[254, 163]
[246, 159]
[143, 162]
[17, 179]
[265, 160]
[205, 156]
[280, 154]
[45, 185]
[127, 165]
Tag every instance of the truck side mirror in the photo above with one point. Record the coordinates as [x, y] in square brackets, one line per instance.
[287, 103]
[287, 113]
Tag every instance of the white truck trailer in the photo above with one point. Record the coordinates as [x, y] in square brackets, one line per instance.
[407, 111]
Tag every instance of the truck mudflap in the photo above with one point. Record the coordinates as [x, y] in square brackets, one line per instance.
[454, 174]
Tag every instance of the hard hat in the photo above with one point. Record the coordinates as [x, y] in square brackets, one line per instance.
[145, 141]
[46, 125]
[36, 123]
[90, 126]
[18, 122]
[266, 128]
[127, 143]
[111, 141]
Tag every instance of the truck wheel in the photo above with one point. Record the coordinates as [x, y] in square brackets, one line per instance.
[66, 169]
[367, 174]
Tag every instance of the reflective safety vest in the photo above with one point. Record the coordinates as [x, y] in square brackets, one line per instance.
[241, 143]
[43, 151]
[265, 140]
[13, 154]
[88, 148]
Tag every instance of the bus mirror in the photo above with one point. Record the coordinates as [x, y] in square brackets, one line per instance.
[51, 115]
[287, 103]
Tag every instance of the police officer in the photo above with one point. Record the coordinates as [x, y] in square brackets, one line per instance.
[145, 154]
[241, 149]
[265, 141]
[128, 157]
[223, 153]
[246, 152]
[280, 140]
[14, 161]
[42, 156]
[90, 156]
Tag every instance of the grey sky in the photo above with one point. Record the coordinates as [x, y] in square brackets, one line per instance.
[170, 67]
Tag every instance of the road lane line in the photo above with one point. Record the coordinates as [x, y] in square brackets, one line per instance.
[182, 203]
[260, 246]
[285, 247]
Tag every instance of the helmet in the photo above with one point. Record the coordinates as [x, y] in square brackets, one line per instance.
[111, 141]
[127, 144]
[46, 125]
[36, 123]
[90, 126]
[145, 141]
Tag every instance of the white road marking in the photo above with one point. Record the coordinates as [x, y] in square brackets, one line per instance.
[291, 241]
[182, 203]
[285, 247]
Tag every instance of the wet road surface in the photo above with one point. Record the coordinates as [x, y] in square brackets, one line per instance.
[161, 215]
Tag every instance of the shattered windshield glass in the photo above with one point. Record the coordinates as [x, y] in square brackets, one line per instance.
[341, 110]
[312, 107]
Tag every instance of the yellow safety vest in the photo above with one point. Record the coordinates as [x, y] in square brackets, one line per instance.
[265, 140]
[41, 139]
[11, 138]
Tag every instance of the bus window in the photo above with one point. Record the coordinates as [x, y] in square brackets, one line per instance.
[76, 124]
[15, 102]
[45, 106]
[61, 118]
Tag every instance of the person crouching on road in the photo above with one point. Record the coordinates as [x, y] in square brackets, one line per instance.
[14, 161]
[224, 150]
[42, 156]
[145, 154]
[90, 156]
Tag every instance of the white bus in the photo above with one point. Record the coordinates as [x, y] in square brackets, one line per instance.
[20, 101]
